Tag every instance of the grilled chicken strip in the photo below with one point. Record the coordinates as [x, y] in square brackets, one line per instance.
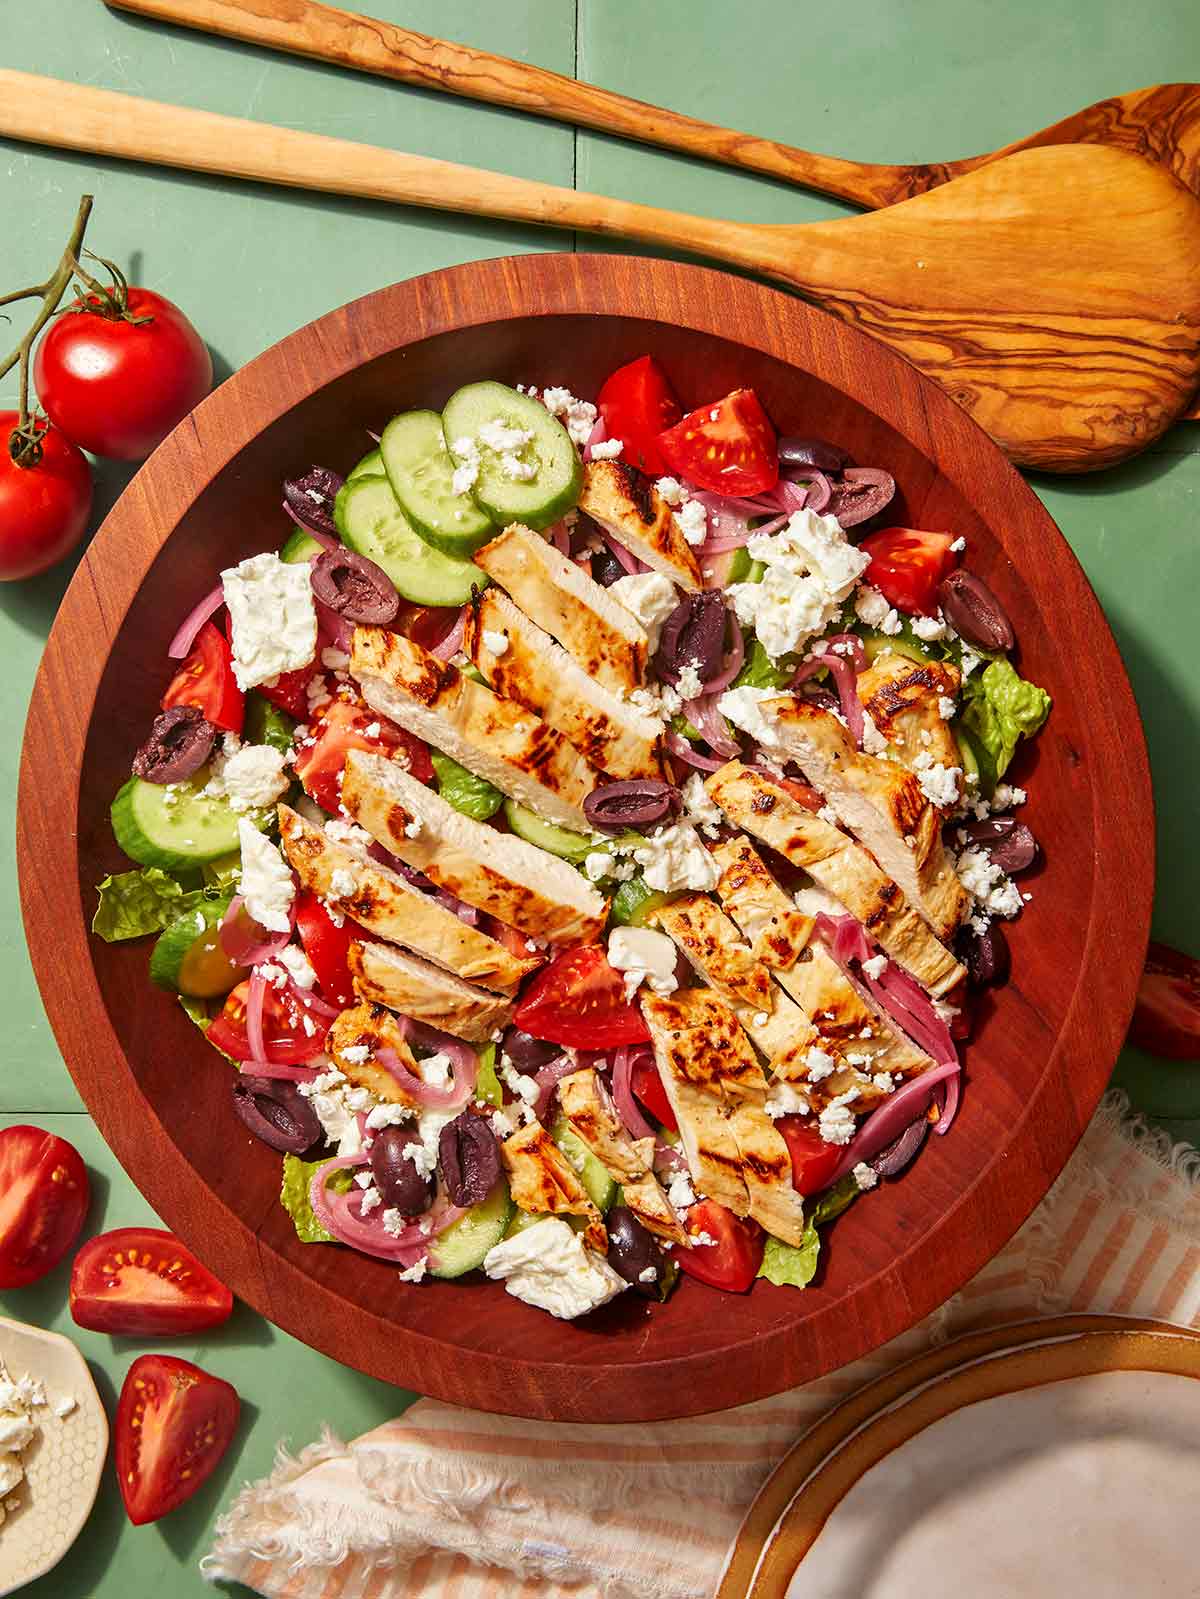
[543, 1182]
[417, 988]
[627, 1160]
[903, 698]
[626, 504]
[371, 1027]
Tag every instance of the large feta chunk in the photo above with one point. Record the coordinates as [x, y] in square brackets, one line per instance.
[548, 1266]
[676, 859]
[643, 956]
[650, 596]
[249, 777]
[743, 707]
[267, 885]
[274, 619]
[811, 568]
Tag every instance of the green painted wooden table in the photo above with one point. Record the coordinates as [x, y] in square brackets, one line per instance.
[871, 79]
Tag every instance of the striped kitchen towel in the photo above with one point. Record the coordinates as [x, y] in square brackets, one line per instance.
[460, 1505]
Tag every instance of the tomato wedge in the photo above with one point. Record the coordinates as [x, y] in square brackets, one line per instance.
[44, 1196]
[1166, 1020]
[285, 1038]
[907, 564]
[637, 403]
[345, 725]
[728, 447]
[579, 1000]
[732, 1260]
[174, 1422]
[290, 692]
[206, 680]
[327, 947]
[141, 1281]
[647, 1086]
[813, 1160]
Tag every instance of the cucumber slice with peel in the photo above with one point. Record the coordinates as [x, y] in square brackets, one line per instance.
[463, 1245]
[555, 840]
[175, 826]
[371, 465]
[299, 546]
[421, 471]
[535, 480]
[601, 1189]
[371, 521]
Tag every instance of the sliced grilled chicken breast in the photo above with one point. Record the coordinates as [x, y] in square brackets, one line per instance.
[626, 504]
[543, 1182]
[419, 989]
[840, 866]
[383, 902]
[778, 933]
[370, 1027]
[607, 641]
[496, 739]
[903, 698]
[628, 1161]
[524, 664]
[516, 882]
[882, 804]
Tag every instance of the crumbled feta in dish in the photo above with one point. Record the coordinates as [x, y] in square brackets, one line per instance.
[650, 597]
[643, 956]
[577, 416]
[939, 783]
[297, 965]
[689, 686]
[836, 1122]
[498, 436]
[676, 858]
[513, 467]
[548, 1265]
[819, 1064]
[267, 884]
[785, 1099]
[959, 545]
[872, 607]
[466, 473]
[743, 707]
[494, 641]
[1006, 796]
[811, 568]
[387, 1114]
[928, 628]
[680, 1191]
[608, 450]
[699, 806]
[873, 741]
[597, 864]
[692, 521]
[334, 660]
[341, 883]
[273, 618]
[875, 967]
[672, 490]
[946, 707]
[249, 777]
[987, 885]
[864, 1176]
[348, 833]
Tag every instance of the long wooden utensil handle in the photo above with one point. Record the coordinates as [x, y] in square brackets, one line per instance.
[325, 33]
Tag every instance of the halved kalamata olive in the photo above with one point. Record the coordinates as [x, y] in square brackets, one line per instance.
[275, 1111]
[528, 1054]
[985, 955]
[693, 635]
[974, 612]
[631, 1251]
[634, 802]
[402, 1185]
[354, 587]
[606, 569]
[824, 456]
[861, 492]
[311, 497]
[179, 744]
[890, 1162]
[1008, 843]
[469, 1159]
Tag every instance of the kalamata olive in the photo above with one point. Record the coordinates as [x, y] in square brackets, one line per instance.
[824, 456]
[275, 1111]
[890, 1162]
[861, 492]
[985, 955]
[469, 1159]
[631, 1251]
[179, 744]
[402, 1184]
[311, 498]
[528, 1054]
[633, 802]
[354, 587]
[974, 612]
[1008, 843]
[606, 569]
[693, 635]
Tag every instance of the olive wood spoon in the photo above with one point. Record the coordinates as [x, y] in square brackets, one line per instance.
[1053, 293]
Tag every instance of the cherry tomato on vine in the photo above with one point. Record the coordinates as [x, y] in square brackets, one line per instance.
[44, 506]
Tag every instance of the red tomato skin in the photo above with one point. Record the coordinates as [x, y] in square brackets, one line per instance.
[341, 728]
[732, 1262]
[579, 1000]
[44, 1197]
[803, 793]
[117, 388]
[44, 509]
[98, 1303]
[202, 1411]
[728, 447]
[206, 681]
[813, 1160]
[647, 1087]
[638, 403]
[289, 692]
[907, 564]
[1166, 1019]
[327, 947]
[284, 1038]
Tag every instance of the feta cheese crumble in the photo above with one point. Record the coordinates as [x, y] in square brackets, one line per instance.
[785, 1099]
[743, 707]
[692, 520]
[865, 1176]
[273, 618]
[548, 1266]
[676, 859]
[872, 607]
[577, 416]
[496, 643]
[650, 597]
[938, 782]
[699, 807]
[267, 885]
[811, 568]
[643, 955]
[993, 892]
[608, 450]
[928, 628]
[875, 967]
[836, 1122]
[249, 777]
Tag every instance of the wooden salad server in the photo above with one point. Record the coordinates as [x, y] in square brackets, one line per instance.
[1053, 293]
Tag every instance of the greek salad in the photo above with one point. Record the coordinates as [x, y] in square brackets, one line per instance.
[584, 837]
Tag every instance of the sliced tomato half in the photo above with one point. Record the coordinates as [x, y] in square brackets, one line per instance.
[803, 793]
[907, 564]
[143, 1283]
[647, 1087]
[345, 725]
[579, 1000]
[327, 947]
[174, 1422]
[206, 681]
[813, 1160]
[289, 692]
[286, 1040]
[728, 447]
[732, 1260]
[44, 1195]
[638, 403]
[1166, 1020]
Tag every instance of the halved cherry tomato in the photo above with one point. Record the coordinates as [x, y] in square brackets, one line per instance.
[803, 793]
[728, 447]
[638, 403]
[1166, 1020]
[579, 1000]
[174, 1422]
[813, 1160]
[341, 727]
[426, 625]
[289, 692]
[206, 680]
[907, 564]
[732, 1260]
[286, 1040]
[647, 1086]
[141, 1281]
[44, 1195]
[327, 947]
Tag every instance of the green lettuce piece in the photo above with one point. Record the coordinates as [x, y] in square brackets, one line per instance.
[293, 1196]
[267, 724]
[760, 671]
[681, 725]
[487, 1084]
[792, 1265]
[471, 795]
[197, 1009]
[835, 1200]
[1001, 707]
[133, 904]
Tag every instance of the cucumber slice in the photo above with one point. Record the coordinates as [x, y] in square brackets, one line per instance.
[370, 520]
[188, 956]
[633, 903]
[976, 759]
[461, 1248]
[521, 1219]
[371, 465]
[601, 1189]
[173, 826]
[557, 470]
[421, 471]
[735, 566]
[299, 546]
[555, 840]
[874, 643]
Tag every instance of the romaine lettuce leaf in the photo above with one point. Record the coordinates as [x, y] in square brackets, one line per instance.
[999, 708]
[792, 1265]
[133, 904]
[471, 795]
[760, 671]
[293, 1196]
[835, 1200]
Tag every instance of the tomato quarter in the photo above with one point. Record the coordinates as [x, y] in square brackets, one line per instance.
[813, 1160]
[1166, 1020]
[289, 692]
[732, 1260]
[907, 564]
[44, 1196]
[579, 1000]
[285, 1038]
[342, 727]
[637, 403]
[206, 681]
[647, 1086]
[142, 1282]
[44, 509]
[174, 1423]
[728, 447]
[327, 947]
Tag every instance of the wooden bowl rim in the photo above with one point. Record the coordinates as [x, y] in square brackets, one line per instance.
[706, 302]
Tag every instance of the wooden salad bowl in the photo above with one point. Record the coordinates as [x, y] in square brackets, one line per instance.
[1044, 1044]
